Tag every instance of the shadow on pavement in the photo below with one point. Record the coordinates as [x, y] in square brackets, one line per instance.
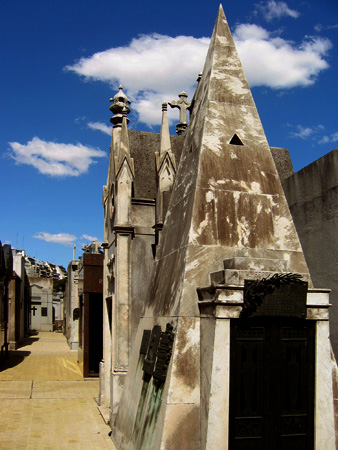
[28, 341]
[15, 358]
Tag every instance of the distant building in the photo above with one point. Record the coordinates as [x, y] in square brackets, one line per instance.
[41, 303]
[19, 298]
[83, 283]
[6, 272]
[58, 310]
[91, 310]
[71, 305]
[35, 267]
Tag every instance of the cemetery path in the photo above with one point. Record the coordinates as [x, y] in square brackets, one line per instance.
[45, 402]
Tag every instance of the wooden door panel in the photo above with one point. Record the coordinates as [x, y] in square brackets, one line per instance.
[271, 384]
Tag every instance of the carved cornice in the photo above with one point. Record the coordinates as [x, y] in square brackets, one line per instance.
[124, 230]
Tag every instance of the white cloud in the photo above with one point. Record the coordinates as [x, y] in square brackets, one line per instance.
[276, 10]
[60, 238]
[89, 238]
[152, 69]
[148, 63]
[307, 132]
[319, 27]
[314, 133]
[327, 139]
[100, 127]
[155, 68]
[303, 132]
[277, 63]
[55, 159]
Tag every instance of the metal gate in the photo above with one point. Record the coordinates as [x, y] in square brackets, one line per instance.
[272, 384]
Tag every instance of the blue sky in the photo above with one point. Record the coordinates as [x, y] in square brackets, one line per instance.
[62, 61]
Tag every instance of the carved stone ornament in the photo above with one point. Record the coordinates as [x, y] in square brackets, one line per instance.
[119, 107]
[111, 201]
[104, 195]
[283, 294]
[183, 105]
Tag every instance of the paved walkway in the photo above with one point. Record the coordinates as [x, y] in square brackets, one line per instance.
[44, 401]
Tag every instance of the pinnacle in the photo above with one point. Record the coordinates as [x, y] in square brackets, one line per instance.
[165, 144]
[227, 195]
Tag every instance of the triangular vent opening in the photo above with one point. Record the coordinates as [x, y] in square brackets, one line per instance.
[235, 140]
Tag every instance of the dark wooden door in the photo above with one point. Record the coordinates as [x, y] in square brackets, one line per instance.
[95, 333]
[272, 384]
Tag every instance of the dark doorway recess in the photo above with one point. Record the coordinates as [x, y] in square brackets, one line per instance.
[272, 384]
[95, 332]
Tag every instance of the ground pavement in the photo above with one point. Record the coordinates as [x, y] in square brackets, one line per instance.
[44, 401]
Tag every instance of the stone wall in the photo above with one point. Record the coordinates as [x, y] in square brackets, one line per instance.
[312, 195]
[283, 162]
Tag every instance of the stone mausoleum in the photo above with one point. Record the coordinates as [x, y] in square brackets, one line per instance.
[214, 336]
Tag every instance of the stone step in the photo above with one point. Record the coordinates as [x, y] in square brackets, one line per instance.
[237, 277]
[261, 264]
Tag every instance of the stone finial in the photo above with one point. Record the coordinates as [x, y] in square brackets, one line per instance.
[183, 105]
[165, 144]
[119, 107]
[124, 139]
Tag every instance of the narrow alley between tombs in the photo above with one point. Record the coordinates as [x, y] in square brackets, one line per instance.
[45, 401]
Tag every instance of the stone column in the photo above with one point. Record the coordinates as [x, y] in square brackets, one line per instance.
[121, 322]
[324, 413]
[105, 364]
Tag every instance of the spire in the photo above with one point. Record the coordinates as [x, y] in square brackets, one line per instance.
[227, 196]
[165, 144]
[124, 142]
[166, 171]
[119, 107]
[123, 145]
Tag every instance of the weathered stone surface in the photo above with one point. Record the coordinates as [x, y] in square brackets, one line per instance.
[243, 263]
[324, 413]
[237, 277]
[231, 195]
[312, 194]
[283, 162]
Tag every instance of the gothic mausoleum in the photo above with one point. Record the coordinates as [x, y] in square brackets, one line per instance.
[214, 336]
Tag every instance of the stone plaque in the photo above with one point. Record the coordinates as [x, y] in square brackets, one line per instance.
[149, 362]
[145, 342]
[287, 300]
[163, 355]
